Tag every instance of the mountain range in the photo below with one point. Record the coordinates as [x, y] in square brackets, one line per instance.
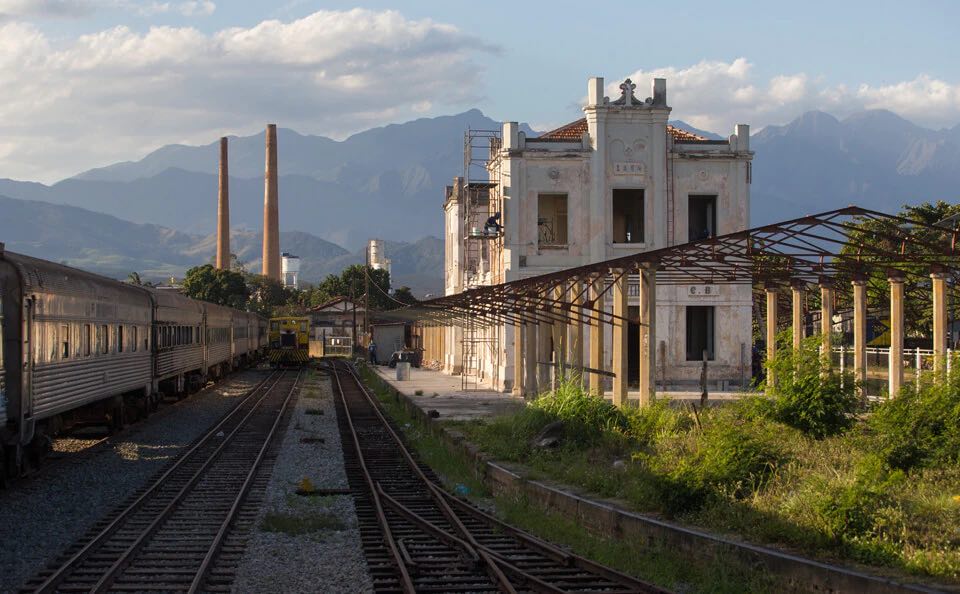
[156, 215]
[114, 247]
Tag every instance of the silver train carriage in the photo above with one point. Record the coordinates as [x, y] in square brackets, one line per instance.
[219, 339]
[179, 363]
[78, 347]
[71, 339]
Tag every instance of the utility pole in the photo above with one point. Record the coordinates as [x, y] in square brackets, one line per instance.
[366, 291]
[353, 301]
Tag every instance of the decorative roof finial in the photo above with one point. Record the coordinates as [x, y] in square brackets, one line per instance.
[626, 89]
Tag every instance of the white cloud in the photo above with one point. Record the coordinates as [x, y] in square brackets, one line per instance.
[117, 93]
[715, 95]
[18, 9]
[192, 8]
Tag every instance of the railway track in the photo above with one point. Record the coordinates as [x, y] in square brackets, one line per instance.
[184, 531]
[419, 538]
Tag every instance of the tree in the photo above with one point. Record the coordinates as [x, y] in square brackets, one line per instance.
[223, 287]
[266, 294]
[134, 279]
[918, 316]
[405, 296]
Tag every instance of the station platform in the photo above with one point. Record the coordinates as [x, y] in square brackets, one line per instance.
[443, 393]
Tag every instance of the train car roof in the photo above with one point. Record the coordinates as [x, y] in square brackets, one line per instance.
[43, 275]
[166, 298]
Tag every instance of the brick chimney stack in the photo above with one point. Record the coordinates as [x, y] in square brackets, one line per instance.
[271, 214]
[223, 210]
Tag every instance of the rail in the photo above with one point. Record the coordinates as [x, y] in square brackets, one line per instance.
[139, 523]
[443, 536]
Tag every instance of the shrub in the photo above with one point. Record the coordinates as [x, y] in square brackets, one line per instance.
[919, 428]
[727, 461]
[817, 403]
[586, 417]
[863, 514]
[656, 420]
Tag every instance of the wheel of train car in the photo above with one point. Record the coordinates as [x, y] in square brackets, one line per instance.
[40, 448]
[117, 411]
[4, 472]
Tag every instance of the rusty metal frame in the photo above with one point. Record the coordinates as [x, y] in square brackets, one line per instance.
[806, 249]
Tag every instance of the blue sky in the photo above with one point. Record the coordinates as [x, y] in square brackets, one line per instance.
[144, 73]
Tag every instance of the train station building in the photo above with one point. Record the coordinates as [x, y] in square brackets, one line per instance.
[617, 182]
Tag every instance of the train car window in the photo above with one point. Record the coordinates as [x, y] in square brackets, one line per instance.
[120, 338]
[1, 332]
[103, 338]
[274, 325]
[64, 342]
[133, 339]
[87, 340]
[303, 326]
[52, 341]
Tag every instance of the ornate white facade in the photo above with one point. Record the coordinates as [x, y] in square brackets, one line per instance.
[617, 182]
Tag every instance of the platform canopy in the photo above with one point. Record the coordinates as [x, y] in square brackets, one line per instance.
[833, 247]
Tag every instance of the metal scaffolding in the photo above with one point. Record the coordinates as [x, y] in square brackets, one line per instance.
[482, 247]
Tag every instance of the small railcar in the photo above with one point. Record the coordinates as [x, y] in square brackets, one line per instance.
[289, 341]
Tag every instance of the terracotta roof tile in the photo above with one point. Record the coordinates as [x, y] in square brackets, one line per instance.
[575, 130]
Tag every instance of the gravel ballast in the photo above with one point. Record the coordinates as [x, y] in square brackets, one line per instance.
[41, 516]
[306, 544]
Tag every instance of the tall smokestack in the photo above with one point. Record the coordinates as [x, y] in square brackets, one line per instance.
[271, 214]
[223, 210]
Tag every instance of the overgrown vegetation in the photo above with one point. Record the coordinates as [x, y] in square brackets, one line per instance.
[808, 466]
[668, 568]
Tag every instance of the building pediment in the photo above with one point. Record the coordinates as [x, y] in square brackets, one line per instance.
[627, 97]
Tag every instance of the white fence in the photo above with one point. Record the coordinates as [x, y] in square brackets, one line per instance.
[916, 363]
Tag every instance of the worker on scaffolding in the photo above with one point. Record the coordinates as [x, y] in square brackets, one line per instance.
[493, 227]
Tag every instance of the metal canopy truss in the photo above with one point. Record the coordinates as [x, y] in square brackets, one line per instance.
[831, 247]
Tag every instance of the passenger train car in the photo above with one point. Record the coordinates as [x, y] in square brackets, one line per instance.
[77, 347]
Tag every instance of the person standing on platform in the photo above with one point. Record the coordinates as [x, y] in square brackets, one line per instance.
[373, 352]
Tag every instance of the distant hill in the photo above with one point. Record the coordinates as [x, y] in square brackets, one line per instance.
[874, 159]
[388, 183]
[114, 247]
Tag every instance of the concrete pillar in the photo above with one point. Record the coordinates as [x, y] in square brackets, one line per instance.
[223, 210]
[596, 338]
[895, 362]
[771, 292]
[559, 337]
[517, 360]
[575, 335]
[271, 211]
[860, 333]
[620, 364]
[530, 359]
[826, 320]
[544, 335]
[796, 295]
[648, 334]
[939, 282]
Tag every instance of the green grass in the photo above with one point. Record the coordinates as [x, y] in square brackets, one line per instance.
[298, 524]
[666, 568]
[881, 490]
[663, 567]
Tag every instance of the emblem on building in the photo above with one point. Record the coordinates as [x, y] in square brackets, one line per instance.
[627, 96]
